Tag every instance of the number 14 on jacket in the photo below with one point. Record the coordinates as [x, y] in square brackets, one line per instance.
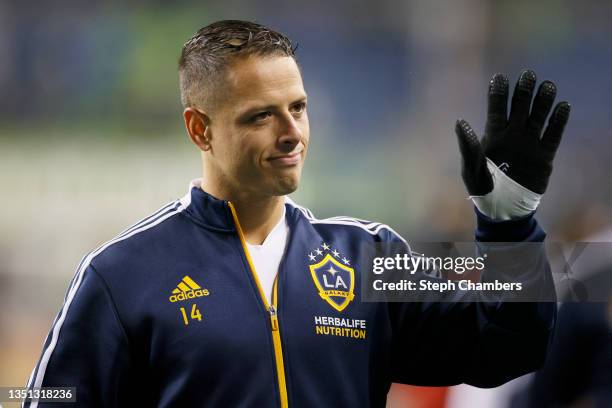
[195, 314]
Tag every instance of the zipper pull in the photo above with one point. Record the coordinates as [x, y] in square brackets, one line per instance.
[273, 318]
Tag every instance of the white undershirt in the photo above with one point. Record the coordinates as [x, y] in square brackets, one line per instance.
[267, 256]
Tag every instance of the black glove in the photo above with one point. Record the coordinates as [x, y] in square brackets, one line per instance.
[515, 144]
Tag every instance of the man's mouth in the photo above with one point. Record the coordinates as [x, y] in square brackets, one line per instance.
[286, 160]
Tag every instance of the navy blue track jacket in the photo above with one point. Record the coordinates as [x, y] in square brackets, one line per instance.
[170, 314]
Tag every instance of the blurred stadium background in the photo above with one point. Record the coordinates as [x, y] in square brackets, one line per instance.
[91, 135]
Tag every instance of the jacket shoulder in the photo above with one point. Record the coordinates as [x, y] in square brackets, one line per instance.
[353, 227]
[139, 241]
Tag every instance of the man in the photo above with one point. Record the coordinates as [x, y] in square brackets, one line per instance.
[215, 300]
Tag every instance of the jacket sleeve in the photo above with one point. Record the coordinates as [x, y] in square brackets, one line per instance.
[86, 347]
[481, 342]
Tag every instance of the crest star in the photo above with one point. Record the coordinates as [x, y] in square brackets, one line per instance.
[332, 271]
[346, 261]
[325, 246]
[318, 251]
[336, 253]
[311, 256]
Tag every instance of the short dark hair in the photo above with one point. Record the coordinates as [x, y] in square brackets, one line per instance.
[207, 55]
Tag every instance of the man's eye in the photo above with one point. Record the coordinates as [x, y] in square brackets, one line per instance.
[260, 116]
[299, 108]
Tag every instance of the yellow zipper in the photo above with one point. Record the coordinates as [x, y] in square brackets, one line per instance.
[276, 337]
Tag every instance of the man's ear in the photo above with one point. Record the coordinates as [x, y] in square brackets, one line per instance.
[198, 127]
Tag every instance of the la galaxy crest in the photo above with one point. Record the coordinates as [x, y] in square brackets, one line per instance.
[333, 276]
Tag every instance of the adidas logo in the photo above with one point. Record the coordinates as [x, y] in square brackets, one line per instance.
[187, 289]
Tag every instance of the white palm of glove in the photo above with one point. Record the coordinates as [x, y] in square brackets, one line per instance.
[508, 199]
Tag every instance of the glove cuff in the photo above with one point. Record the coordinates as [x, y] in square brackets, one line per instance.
[508, 199]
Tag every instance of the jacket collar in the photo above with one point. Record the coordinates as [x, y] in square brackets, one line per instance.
[206, 210]
[215, 214]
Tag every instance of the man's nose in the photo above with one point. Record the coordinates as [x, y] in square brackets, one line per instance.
[290, 134]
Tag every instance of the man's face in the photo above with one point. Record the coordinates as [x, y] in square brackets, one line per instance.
[259, 129]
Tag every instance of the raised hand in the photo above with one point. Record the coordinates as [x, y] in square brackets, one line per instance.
[515, 144]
